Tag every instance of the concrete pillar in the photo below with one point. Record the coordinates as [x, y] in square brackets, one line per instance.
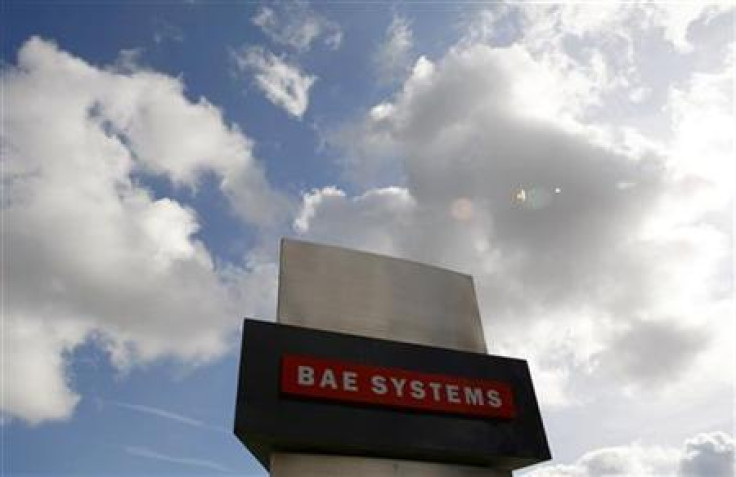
[317, 465]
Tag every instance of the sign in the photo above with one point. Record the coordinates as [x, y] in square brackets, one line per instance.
[333, 380]
[311, 391]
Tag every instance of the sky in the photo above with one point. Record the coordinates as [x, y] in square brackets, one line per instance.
[576, 159]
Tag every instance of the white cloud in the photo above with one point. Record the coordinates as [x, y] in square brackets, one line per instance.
[631, 460]
[631, 353]
[283, 83]
[705, 455]
[596, 255]
[677, 18]
[703, 122]
[296, 25]
[709, 455]
[36, 386]
[89, 253]
[375, 220]
[601, 58]
[393, 55]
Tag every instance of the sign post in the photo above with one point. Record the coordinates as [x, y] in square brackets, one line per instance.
[378, 366]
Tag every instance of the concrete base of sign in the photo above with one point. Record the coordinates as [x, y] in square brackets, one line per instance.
[313, 465]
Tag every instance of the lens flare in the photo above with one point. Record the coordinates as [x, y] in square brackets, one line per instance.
[462, 209]
[520, 195]
[535, 198]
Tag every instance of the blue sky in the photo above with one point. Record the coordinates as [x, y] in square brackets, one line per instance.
[576, 159]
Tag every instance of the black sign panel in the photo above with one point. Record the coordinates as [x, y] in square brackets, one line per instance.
[304, 390]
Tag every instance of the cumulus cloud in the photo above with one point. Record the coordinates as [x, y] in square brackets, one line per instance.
[705, 455]
[36, 388]
[92, 254]
[392, 57]
[283, 83]
[297, 25]
[598, 251]
[651, 353]
[604, 54]
[378, 218]
[631, 460]
[709, 455]
[677, 19]
[702, 122]
[460, 129]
